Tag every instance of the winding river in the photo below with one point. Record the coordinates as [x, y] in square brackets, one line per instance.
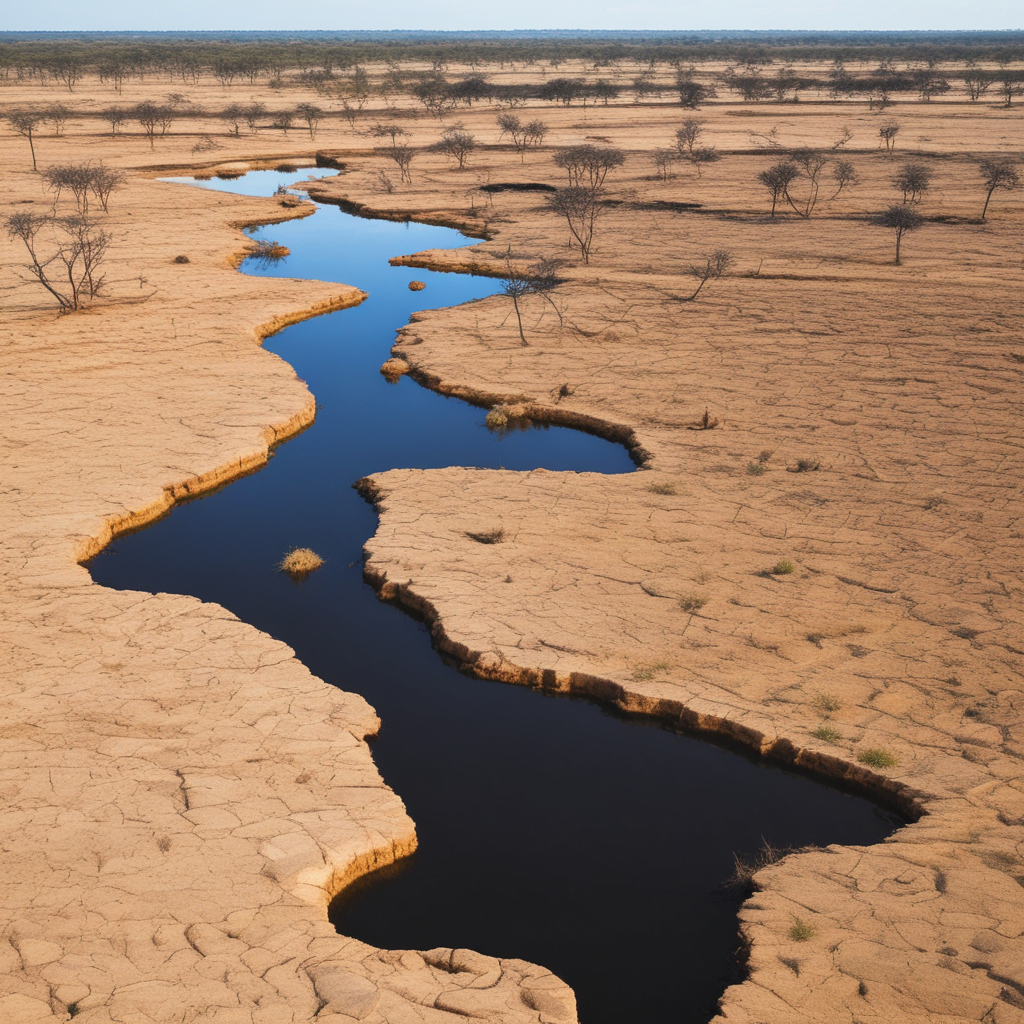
[550, 829]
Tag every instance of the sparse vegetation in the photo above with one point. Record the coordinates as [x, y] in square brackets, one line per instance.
[713, 266]
[899, 218]
[644, 673]
[997, 174]
[827, 733]
[495, 535]
[300, 562]
[825, 702]
[692, 603]
[800, 931]
[265, 252]
[877, 757]
[662, 488]
[783, 567]
[756, 469]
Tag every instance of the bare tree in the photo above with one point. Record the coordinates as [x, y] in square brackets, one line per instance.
[777, 179]
[900, 218]
[402, 155]
[535, 132]
[588, 166]
[233, 116]
[253, 113]
[687, 138]
[714, 266]
[998, 174]
[311, 114]
[844, 174]
[152, 116]
[115, 117]
[106, 181]
[663, 161]
[580, 206]
[913, 180]
[519, 282]
[810, 165]
[283, 119]
[976, 82]
[456, 144]
[74, 178]
[57, 115]
[887, 132]
[25, 123]
[71, 270]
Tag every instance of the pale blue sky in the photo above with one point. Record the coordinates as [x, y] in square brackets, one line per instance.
[112, 15]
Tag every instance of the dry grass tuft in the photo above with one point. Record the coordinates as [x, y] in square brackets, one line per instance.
[300, 562]
[800, 931]
[692, 603]
[507, 417]
[393, 369]
[805, 466]
[877, 757]
[643, 673]
[827, 733]
[741, 881]
[783, 567]
[665, 488]
[706, 422]
[181, 259]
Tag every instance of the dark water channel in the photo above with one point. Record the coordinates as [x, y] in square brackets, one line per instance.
[550, 829]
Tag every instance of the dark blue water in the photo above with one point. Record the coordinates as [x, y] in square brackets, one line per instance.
[550, 829]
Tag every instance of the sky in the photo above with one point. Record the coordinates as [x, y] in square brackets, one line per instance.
[114, 15]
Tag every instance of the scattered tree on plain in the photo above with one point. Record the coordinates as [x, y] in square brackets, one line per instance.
[115, 117]
[580, 206]
[714, 266]
[887, 132]
[57, 115]
[900, 218]
[588, 166]
[998, 174]
[912, 180]
[311, 114]
[519, 282]
[402, 155]
[777, 179]
[844, 174]
[70, 273]
[456, 144]
[388, 131]
[25, 123]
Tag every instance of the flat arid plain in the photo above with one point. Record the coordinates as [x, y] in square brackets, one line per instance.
[818, 558]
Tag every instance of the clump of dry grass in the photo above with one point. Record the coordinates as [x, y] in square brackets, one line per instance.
[286, 168]
[705, 422]
[507, 417]
[417, 286]
[741, 881]
[805, 466]
[783, 567]
[393, 369]
[692, 603]
[300, 562]
[877, 757]
[663, 488]
[826, 703]
[642, 673]
[800, 931]
[228, 174]
[827, 733]
[181, 259]
[266, 251]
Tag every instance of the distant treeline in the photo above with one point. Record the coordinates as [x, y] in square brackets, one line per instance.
[255, 54]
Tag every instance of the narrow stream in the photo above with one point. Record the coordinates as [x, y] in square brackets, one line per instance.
[550, 829]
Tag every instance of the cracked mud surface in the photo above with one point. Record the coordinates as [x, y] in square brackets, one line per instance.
[181, 796]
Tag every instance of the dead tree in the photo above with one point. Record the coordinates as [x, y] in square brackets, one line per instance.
[519, 282]
[402, 155]
[714, 266]
[912, 180]
[844, 174]
[115, 117]
[900, 218]
[588, 166]
[810, 165]
[71, 271]
[388, 131]
[777, 179]
[998, 174]
[580, 207]
[887, 132]
[25, 123]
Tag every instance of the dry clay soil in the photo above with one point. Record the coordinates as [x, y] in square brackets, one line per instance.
[181, 798]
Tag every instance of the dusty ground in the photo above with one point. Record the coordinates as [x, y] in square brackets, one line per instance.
[178, 807]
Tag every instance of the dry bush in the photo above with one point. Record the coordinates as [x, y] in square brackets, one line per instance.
[300, 562]
[493, 536]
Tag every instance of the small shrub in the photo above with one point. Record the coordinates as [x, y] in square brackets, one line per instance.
[783, 567]
[182, 259]
[493, 536]
[756, 468]
[972, 712]
[662, 488]
[692, 603]
[877, 757]
[862, 989]
[800, 931]
[265, 252]
[163, 844]
[286, 168]
[705, 422]
[300, 562]
[826, 703]
[642, 673]
[806, 466]
[764, 456]
[792, 963]
[828, 733]
[741, 881]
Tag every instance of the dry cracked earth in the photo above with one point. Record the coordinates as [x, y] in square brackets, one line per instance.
[181, 797]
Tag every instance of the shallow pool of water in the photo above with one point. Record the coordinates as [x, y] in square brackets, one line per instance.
[550, 829]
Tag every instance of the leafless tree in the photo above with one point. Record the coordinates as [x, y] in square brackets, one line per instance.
[900, 218]
[283, 119]
[70, 272]
[402, 155]
[233, 116]
[106, 181]
[74, 178]
[998, 174]
[715, 264]
[777, 179]
[580, 206]
[689, 135]
[311, 114]
[522, 134]
[57, 115]
[456, 144]
[519, 282]
[913, 180]
[663, 161]
[588, 166]
[844, 174]
[115, 117]
[535, 132]
[253, 114]
[152, 116]
[25, 122]
[810, 165]
[844, 137]
[887, 132]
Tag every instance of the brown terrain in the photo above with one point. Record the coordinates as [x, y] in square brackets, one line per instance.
[181, 797]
